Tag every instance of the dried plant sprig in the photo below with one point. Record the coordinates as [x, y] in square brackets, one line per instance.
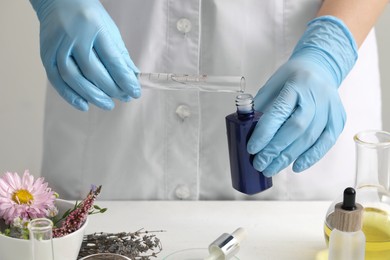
[75, 218]
[139, 245]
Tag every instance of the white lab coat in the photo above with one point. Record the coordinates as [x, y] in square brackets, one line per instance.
[150, 149]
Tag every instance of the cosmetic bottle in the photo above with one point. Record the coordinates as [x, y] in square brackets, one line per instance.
[347, 240]
[239, 126]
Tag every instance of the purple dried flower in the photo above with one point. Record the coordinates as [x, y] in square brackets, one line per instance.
[77, 217]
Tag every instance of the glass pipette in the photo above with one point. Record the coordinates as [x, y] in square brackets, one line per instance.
[207, 83]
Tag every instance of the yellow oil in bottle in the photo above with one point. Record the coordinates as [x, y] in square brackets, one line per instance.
[376, 228]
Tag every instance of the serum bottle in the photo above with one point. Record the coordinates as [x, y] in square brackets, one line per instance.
[239, 126]
[347, 240]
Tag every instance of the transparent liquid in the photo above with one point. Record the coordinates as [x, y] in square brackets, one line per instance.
[376, 228]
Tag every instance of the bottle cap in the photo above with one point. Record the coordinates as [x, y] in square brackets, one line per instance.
[226, 245]
[244, 103]
[348, 214]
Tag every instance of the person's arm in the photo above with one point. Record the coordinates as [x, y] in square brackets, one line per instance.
[359, 15]
[302, 111]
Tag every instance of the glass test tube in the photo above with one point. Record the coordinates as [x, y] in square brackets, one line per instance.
[40, 232]
[207, 83]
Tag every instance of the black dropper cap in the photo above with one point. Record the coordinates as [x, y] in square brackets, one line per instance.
[349, 199]
[348, 214]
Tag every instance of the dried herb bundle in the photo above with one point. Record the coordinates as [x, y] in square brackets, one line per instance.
[139, 245]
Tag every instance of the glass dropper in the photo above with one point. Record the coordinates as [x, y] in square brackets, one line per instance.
[207, 83]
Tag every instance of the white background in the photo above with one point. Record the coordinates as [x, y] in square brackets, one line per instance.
[23, 83]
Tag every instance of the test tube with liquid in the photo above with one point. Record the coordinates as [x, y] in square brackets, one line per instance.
[207, 83]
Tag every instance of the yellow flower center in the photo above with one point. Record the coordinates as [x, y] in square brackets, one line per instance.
[22, 197]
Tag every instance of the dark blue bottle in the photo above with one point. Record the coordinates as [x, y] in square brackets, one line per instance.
[239, 126]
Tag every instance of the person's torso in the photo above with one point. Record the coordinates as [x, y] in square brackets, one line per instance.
[151, 149]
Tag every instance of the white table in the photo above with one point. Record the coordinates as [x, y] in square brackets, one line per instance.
[276, 229]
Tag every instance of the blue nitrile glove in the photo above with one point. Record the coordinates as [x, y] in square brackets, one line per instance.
[83, 53]
[303, 114]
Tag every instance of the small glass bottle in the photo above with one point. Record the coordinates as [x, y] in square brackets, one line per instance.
[239, 126]
[40, 232]
[372, 189]
[347, 240]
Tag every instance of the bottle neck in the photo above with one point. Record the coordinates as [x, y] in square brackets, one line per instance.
[244, 104]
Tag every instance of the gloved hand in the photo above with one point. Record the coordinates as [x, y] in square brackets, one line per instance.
[303, 114]
[83, 53]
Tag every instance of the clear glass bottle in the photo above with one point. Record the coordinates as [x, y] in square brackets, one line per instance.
[347, 240]
[41, 237]
[239, 126]
[372, 192]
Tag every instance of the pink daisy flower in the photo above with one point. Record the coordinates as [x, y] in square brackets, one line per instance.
[24, 197]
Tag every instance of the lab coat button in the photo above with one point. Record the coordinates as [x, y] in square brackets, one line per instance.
[182, 192]
[184, 25]
[183, 111]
